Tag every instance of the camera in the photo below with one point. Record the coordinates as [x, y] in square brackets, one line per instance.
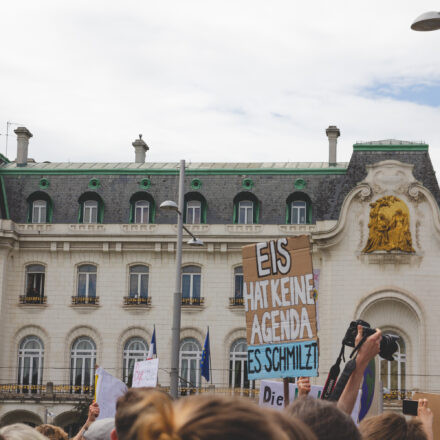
[388, 344]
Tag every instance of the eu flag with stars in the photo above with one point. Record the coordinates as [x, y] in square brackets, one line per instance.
[204, 361]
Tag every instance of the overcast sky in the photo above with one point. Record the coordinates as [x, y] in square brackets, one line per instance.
[216, 80]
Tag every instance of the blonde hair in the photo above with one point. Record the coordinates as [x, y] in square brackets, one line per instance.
[20, 431]
[207, 417]
[52, 432]
[388, 425]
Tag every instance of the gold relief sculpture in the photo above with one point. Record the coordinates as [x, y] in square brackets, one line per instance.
[389, 226]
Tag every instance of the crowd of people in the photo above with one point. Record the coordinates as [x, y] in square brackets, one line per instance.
[150, 414]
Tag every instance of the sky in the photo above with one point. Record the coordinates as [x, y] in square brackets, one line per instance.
[216, 81]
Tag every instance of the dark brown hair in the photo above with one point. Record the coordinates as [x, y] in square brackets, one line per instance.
[52, 432]
[388, 425]
[324, 419]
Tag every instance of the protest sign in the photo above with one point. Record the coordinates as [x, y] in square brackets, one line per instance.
[108, 390]
[434, 405]
[145, 373]
[279, 300]
[272, 396]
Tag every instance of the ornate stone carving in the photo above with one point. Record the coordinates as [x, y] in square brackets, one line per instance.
[389, 226]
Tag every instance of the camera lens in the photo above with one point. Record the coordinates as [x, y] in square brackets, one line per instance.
[388, 346]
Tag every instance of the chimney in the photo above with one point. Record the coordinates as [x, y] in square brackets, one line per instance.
[140, 148]
[23, 136]
[332, 133]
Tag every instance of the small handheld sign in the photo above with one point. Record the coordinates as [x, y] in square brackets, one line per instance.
[279, 300]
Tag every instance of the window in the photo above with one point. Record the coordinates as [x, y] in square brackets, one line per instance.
[35, 281]
[191, 285]
[393, 373]
[142, 208]
[91, 208]
[245, 212]
[299, 209]
[238, 282]
[299, 213]
[135, 350]
[30, 364]
[142, 211]
[90, 214]
[193, 212]
[246, 209]
[238, 374]
[39, 208]
[138, 281]
[82, 365]
[87, 281]
[190, 354]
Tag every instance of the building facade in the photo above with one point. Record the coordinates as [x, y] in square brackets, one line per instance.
[87, 265]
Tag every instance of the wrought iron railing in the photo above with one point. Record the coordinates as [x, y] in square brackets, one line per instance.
[93, 300]
[14, 388]
[236, 301]
[137, 301]
[25, 299]
[193, 301]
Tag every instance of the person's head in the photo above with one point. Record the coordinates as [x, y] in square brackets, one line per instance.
[100, 429]
[292, 426]
[52, 432]
[324, 419]
[206, 417]
[20, 431]
[389, 425]
[125, 416]
[416, 430]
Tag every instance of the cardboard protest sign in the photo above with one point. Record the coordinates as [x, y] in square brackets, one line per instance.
[145, 373]
[434, 405]
[279, 300]
[108, 390]
[272, 396]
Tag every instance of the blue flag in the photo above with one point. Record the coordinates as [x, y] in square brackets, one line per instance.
[205, 360]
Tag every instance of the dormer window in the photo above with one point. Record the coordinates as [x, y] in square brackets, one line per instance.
[246, 209]
[299, 212]
[142, 208]
[90, 214]
[245, 212]
[299, 209]
[193, 212]
[142, 211]
[39, 208]
[91, 208]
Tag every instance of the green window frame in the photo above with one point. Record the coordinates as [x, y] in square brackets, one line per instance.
[89, 197]
[138, 197]
[299, 197]
[32, 200]
[243, 197]
[195, 197]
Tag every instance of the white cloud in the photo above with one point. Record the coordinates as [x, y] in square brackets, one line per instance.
[205, 80]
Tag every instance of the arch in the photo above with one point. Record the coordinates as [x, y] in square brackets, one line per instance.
[395, 311]
[242, 214]
[70, 421]
[39, 212]
[190, 351]
[138, 197]
[135, 349]
[190, 214]
[87, 213]
[30, 364]
[299, 208]
[21, 416]
[82, 365]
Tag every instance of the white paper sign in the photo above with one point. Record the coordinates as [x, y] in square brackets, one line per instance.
[272, 395]
[145, 373]
[108, 390]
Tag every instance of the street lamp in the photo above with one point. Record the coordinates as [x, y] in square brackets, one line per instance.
[177, 297]
[429, 21]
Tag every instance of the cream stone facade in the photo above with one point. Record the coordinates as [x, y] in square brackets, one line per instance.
[395, 291]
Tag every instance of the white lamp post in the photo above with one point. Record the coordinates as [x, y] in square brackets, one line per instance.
[429, 21]
[177, 297]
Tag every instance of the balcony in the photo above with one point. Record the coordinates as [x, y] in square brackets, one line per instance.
[25, 299]
[193, 301]
[137, 301]
[85, 300]
[236, 301]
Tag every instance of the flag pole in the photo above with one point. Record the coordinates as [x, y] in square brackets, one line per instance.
[210, 364]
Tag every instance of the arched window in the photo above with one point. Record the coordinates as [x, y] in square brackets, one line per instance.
[86, 289]
[142, 208]
[139, 281]
[135, 350]
[191, 280]
[190, 353]
[298, 209]
[246, 209]
[238, 375]
[91, 209]
[82, 365]
[393, 374]
[34, 288]
[30, 364]
[195, 209]
[39, 208]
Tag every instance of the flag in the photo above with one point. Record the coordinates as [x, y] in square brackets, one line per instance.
[152, 354]
[206, 358]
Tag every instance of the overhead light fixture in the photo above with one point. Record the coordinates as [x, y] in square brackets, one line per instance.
[429, 21]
